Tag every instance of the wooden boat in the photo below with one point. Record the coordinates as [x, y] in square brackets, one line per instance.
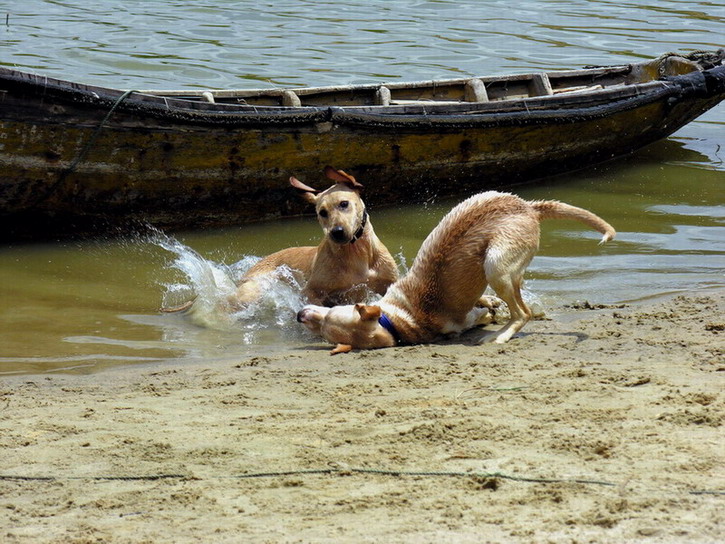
[75, 158]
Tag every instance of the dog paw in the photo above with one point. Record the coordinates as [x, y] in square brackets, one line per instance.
[484, 337]
[489, 302]
[503, 336]
[486, 318]
[493, 337]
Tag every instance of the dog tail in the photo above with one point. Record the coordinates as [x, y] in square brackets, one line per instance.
[553, 209]
[178, 309]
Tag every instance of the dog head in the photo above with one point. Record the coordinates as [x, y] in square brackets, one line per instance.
[340, 210]
[353, 326]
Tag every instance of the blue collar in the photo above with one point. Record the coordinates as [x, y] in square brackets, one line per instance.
[388, 326]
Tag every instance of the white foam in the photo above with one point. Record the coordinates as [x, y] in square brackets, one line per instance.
[210, 284]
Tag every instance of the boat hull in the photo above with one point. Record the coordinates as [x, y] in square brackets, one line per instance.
[73, 166]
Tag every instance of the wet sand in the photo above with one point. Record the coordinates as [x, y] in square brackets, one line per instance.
[594, 425]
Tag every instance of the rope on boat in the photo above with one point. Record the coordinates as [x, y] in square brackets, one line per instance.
[340, 471]
[87, 147]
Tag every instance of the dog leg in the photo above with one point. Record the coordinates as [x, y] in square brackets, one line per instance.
[509, 289]
[248, 292]
[179, 309]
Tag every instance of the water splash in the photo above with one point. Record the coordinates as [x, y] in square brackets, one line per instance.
[402, 262]
[210, 285]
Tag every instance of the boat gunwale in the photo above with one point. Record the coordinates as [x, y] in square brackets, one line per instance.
[178, 100]
[564, 106]
[397, 85]
[163, 104]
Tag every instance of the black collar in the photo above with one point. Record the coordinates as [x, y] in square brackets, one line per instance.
[385, 323]
[359, 232]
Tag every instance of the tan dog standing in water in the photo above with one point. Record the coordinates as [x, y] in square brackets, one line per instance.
[349, 262]
[488, 239]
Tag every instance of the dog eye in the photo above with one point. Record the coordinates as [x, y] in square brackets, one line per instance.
[344, 204]
[322, 213]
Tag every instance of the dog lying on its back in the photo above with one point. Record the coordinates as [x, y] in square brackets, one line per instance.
[488, 239]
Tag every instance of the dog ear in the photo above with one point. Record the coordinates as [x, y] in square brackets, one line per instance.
[368, 313]
[341, 348]
[297, 184]
[342, 177]
[308, 193]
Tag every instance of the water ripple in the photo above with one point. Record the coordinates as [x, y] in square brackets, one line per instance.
[323, 42]
[666, 201]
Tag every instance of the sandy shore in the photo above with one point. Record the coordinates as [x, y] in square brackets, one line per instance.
[594, 425]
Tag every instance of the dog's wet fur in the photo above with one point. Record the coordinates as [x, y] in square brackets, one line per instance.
[349, 262]
[487, 240]
[348, 265]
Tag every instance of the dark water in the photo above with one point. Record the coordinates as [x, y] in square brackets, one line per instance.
[87, 306]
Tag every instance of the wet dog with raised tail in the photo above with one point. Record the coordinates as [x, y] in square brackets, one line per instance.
[487, 240]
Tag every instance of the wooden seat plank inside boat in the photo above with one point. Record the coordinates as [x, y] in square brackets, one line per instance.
[477, 90]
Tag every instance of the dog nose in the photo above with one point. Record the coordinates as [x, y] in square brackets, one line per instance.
[300, 315]
[338, 235]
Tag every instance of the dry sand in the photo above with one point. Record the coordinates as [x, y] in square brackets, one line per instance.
[614, 414]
